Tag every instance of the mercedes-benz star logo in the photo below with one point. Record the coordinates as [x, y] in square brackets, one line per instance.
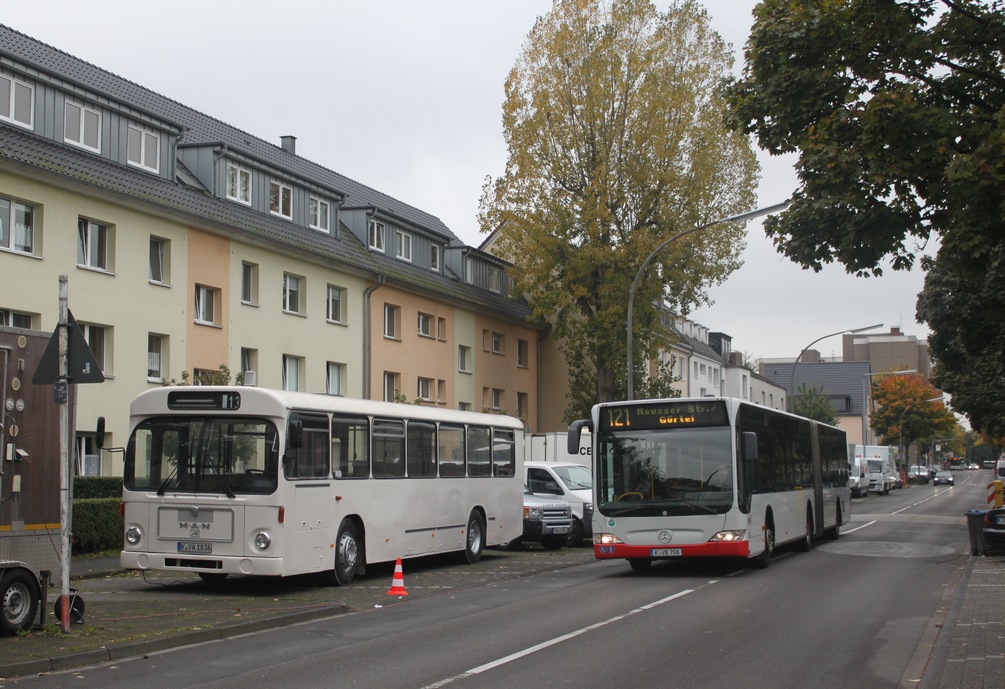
[665, 536]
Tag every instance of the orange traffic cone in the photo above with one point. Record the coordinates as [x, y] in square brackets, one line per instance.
[398, 583]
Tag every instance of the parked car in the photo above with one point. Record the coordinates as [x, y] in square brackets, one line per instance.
[943, 478]
[569, 482]
[547, 521]
[994, 527]
[918, 474]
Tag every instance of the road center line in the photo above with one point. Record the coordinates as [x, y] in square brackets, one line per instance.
[848, 531]
[559, 639]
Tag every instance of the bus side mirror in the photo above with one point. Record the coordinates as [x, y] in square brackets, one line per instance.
[99, 433]
[575, 433]
[748, 446]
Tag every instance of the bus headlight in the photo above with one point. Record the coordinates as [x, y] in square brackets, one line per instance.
[728, 536]
[263, 540]
[134, 535]
[605, 539]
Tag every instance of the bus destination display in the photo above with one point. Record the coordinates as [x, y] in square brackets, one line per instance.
[645, 415]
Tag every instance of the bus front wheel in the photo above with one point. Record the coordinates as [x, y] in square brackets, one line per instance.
[19, 597]
[764, 559]
[346, 553]
[475, 543]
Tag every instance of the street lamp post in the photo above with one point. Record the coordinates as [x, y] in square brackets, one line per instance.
[635, 283]
[900, 425]
[865, 398]
[792, 379]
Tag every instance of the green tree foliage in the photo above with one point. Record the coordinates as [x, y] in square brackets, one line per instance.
[812, 403]
[897, 112]
[613, 120]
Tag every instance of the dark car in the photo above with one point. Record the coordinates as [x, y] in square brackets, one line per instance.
[943, 477]
[994, 527]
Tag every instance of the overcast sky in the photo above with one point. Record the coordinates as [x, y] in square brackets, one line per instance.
[406, 96]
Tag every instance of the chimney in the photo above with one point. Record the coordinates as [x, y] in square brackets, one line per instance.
[894, 330]
[289, 144]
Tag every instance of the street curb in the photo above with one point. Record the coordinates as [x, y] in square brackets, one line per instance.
[44, 666]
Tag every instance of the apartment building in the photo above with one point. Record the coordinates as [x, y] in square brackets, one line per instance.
[190, 245]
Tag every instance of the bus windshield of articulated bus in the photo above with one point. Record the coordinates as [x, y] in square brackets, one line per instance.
[230, 455]
[664, 459]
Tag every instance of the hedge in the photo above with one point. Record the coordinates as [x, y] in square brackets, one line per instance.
[97, 526]
[97, 487]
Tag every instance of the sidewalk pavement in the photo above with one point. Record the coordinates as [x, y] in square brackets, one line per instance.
[964, 647]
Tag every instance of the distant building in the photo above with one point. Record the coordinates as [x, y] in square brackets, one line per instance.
[890, 351]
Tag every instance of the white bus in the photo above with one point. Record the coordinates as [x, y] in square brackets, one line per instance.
[244, 480]
[711, 477]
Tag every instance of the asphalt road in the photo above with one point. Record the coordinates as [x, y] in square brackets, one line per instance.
[857, 612]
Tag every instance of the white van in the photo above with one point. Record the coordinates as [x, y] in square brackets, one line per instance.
[858, 475]
[572, 483]
[1000, 469]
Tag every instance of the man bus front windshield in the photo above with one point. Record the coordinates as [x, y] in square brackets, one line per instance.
[200, 454]
[665, 472]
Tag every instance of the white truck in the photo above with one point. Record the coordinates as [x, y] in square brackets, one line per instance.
[881, 467]
[554, 447]
[858, 474]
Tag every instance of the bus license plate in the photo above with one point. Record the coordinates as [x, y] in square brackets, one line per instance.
[666, 552]
[195, 548]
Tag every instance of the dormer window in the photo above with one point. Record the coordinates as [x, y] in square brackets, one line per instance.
[143, 149]
[495, 279]
[319, 213]
[434, 257]
[82, 126]
[17, 102]
[281, 199]
[403, 245]
[377, 236]
[238, 184]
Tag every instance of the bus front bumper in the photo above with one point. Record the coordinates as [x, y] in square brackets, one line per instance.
[659, 551]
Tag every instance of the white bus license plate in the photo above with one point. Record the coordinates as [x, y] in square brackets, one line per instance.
[195, 548]
[666, 552]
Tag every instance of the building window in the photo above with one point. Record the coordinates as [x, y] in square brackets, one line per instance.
[522, 404]
[391, 321]
[82, 126]
[425, 325]
[156, 357]
[390, 386]
[98, 340]
[495, 279]
[205, 305]
[319, 212]
[249, 361]
[493, 342]
[292, 372]
[463, 359]
[93, 245]
[469, 271]
[281, 199]
[403, 245]
[293, 287]
[160, 253]
[336, 304]
[493, 398]
[15, 319]
[522, 354]
[335, 381]
[441, 391]
[377, 236]
[239, 184]
[441, 329]
[424, 390]
[434, 257]
[249, 283]
[17, 101]
[17, 226]
[143, 148]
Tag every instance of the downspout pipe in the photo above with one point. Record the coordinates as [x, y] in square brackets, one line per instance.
[368, 334]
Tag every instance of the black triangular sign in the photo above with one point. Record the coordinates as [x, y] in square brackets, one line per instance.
[82, 366]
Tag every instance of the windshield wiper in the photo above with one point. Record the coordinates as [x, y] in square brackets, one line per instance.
[163, 488]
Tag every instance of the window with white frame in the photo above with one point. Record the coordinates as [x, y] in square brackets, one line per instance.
[522, 405]
[238, 184]
[403, 245]
[522, 353]
[156, 356]
[249, 360]
[391, 314]
[98, 340]
[17, 101]
[292, 372]
[434, 257]
[377, 235]
[494, 342]
[391, 386]
[424, 389]
[293, 287]
[205, 305]
[15, 319]
[464, 359]
[425, 324]
[441, 329]
[335, 382]
[493, 398]
[143, 148]
[160, 266]
[17, 226]
[441, 391]
[495, 279]
[319, 212]
[82, 126]
[249, 283]
[281, 199]
[469, 271]
[94, 243]
[335, 304]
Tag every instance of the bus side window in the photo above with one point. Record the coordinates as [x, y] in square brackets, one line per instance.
[351, 446]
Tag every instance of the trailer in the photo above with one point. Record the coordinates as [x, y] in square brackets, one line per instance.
[30, 527]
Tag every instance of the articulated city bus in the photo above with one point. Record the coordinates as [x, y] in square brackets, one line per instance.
[711, 477]
[244, 480]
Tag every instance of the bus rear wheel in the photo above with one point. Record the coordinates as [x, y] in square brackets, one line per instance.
[346, 553]
[20, 598]
[804, 543]
[475, 543]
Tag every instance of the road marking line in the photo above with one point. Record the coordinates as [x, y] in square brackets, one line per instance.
[844, 532]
